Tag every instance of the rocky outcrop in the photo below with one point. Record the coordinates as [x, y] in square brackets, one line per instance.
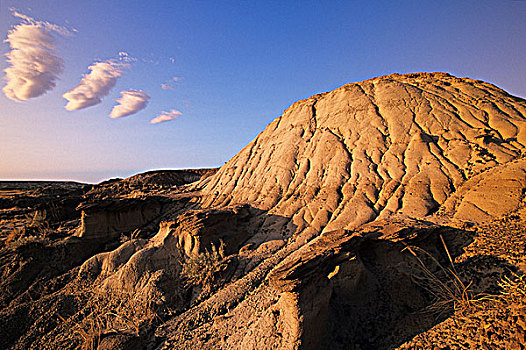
[137, 185]
[197, 230]
[388, 150]
[492, 194]
[342, 290]
[169, 177]
[399, 144]
[151, 269]
[106, 220]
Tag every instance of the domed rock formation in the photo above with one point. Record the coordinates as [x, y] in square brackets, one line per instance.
[398, 144]
[389, 150]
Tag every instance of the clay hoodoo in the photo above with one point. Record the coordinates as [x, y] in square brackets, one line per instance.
[399, 144]
[401, 151]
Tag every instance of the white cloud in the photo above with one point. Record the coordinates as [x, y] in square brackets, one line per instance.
[47, 25]
[94, 85]
[165, 116]
[132, 101]
[34, 63]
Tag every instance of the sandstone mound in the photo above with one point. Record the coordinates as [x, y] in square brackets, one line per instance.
[399, 144]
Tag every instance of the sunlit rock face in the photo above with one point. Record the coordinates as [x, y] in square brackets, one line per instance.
[347, 181]
[398, 144]
[108, 219]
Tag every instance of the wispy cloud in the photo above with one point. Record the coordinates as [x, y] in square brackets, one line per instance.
[132, 101]
[165, 116]
[169, 85]
[48, 25]
[125, 57]
[34, 63]
[94, 85]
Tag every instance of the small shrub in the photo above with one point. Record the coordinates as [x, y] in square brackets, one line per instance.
[28, 240]
[514, 288]
[133, 235]
[35, 230]
[14, 235]
[201, 269]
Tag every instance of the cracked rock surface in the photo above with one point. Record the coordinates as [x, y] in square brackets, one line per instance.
[399, 144]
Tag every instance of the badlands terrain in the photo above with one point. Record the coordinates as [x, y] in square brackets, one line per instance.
[386, 214]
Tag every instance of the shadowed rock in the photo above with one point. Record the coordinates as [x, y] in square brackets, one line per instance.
[106, 220]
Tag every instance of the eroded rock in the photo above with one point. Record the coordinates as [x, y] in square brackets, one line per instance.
[399, 144]
[106, 220]
[342, 289]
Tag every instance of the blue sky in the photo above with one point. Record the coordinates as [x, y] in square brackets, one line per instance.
[238, 65]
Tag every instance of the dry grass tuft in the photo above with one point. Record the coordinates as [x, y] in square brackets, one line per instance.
[14, 235]
[514, 289]
[35, 230]
[111, 312]
[445, 285]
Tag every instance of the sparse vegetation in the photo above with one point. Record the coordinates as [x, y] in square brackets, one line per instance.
[14, 235]
[28, 240]
[445, 285]
[495, 322]
[133, 235]
[112, 312]
[201, 269]
[514, 289]
[34, 230]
